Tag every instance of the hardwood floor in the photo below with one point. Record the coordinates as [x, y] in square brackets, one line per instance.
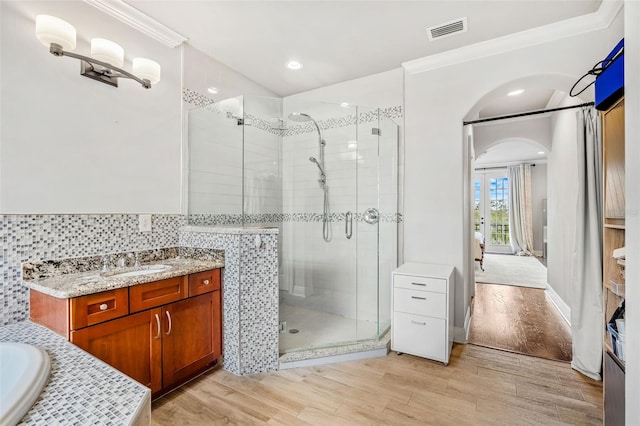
[480, 386]
[519, 319]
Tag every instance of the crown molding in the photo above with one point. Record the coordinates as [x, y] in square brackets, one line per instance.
[138, 20]
[598, 20]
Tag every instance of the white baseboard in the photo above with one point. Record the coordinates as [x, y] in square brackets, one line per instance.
[462, 333]
[563, 308]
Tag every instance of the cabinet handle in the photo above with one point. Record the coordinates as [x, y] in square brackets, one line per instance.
[206, 282]
[418, 323]
[420, 284]
[158, 324]
[419, 298]
[169, 317]
[104, 307]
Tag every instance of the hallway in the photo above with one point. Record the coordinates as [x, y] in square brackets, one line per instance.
[519, 319]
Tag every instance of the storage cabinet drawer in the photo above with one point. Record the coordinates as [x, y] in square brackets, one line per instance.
[420, 302]
[420, 283]
[418, 335]
[157, 293]
[96, 308]
[204, 282]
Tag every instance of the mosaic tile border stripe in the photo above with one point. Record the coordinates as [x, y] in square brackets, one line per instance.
[279, 127]
[194, 98]
[277, 218]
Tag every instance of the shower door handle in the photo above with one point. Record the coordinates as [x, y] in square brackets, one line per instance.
[348, 225]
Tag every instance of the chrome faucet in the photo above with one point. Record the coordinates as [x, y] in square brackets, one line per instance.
[105, 263]
[122, 261]
[136, 263]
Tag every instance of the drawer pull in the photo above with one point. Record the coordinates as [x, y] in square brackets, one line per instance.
[418, 322]
[206, 282]
[169, 317]
[104, 307]
[420, 284]
[419, 298]
[158, 324]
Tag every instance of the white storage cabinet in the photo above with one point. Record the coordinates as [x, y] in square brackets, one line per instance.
[422, 307]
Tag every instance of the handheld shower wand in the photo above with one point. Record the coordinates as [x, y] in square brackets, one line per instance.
[301, 117]
[322, 173]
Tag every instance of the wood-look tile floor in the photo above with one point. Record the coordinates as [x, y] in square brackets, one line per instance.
[480, 386]
[519, 319]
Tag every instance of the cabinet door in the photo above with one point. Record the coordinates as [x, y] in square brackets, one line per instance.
[131, 344]
[192, 337]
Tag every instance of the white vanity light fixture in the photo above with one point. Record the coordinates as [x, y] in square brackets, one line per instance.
[106, 56]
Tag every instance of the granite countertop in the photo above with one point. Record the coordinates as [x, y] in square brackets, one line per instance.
[81, 389]
[82, 283]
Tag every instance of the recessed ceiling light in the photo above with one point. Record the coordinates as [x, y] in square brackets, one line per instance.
[540, 152]
[294, 65]
[213, 90]
[344, 105]
[515, 92]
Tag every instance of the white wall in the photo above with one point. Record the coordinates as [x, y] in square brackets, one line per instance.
[632, 196]
[436, 102]
[562, 200]
[73, 145]
[202, 72]
[538, 194]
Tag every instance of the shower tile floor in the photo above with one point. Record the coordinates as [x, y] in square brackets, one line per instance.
[317, 329]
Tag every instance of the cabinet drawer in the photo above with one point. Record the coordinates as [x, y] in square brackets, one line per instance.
[204, 282]
[420, 302]
[418, 335]
[157, 293]
[417, 282]
[96, 308]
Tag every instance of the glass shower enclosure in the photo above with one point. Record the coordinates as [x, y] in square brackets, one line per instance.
[324, 174]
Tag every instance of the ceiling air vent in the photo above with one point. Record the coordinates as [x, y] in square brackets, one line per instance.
[447, 29]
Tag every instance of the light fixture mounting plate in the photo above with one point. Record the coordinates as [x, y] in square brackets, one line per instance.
[88, 70]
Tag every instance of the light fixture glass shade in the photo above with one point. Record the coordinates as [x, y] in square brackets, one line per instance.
[107, 51]
[50, 29]
[146, 69]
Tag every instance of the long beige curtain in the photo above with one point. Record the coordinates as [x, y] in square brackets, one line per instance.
[587, 322]
[520, 209]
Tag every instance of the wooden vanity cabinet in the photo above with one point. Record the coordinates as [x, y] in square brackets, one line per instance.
[159, 344]
[131, 344]
[191, 340]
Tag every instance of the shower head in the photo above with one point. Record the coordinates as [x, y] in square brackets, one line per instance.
[300, 117]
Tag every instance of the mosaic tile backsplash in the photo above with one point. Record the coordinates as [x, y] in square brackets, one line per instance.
[59, 236]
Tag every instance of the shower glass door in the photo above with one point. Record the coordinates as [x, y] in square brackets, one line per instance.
[318, 275]
[337, 292]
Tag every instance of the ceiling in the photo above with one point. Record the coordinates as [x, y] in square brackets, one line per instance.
[341, 40]
[513, 151]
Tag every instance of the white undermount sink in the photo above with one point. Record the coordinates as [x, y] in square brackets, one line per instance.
[143, 270]
[24, 370]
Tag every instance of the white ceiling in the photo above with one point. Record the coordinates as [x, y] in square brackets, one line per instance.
[514, 151]
[530, 100]
[341, 40]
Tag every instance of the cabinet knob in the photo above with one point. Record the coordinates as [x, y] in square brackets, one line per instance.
[104, 307]
[206, 282]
